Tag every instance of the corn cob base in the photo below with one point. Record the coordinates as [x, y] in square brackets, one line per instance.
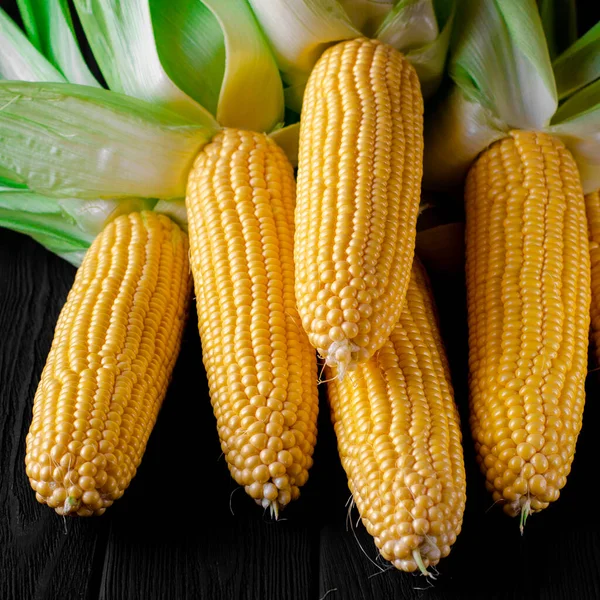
[528, 284]
[115, 345]
[399, 439]
[261, 368]
[359, 179]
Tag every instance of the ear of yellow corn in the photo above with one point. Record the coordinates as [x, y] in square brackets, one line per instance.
[261, 368]
[359, 177]
[528, 284]
[399, 438]
[592, 205]
[114, 348]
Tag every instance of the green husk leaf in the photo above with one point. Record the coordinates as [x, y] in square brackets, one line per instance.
[72, 253]
[287, 138]
[468, 128]
[501, 61]
[579, 65]
[579, 103]
[73, 141]
[429, 59]
[252, 93]
[43, 220]
[368, 15]
[50, 27]
[299, 31]
[195, 63]
[6, 182]
[577, 124]
[122, 39]
[19, 59]
[411, 24]
[559, 20]
[504, 80]
[10, 179]
[66, 227]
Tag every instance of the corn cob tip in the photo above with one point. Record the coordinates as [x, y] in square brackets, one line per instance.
[71, 505]
[272, 505]
[520, 507]
[525, 512]
[339, 356]
[419, 561]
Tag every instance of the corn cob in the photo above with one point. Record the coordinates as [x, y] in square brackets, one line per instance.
[359, 176]
[399, 438]
[261, 368]
[528, 285]
[592, 205]
[114, 348]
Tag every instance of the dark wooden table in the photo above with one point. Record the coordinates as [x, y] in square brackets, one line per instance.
[183, 530]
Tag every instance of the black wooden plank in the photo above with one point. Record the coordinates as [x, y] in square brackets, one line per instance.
[41, 555]
[173, 535]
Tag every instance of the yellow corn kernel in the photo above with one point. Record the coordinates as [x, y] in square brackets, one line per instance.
[528, 285]
[399, 438]
[261, 368]
[592, 205]
[359, 177]
[114, 349]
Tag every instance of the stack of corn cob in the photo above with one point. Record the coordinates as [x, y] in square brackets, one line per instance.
[118, 335]
[359, 175]
[280, 275]
[365, 303]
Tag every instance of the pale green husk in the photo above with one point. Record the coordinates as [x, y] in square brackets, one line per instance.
[300, 30]
[72, 157]
[143, 52]
[67, 226]
[50, 28]
[577, 123]
[504, 79]
[62, 139]
[19, 59]
[579, 65]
